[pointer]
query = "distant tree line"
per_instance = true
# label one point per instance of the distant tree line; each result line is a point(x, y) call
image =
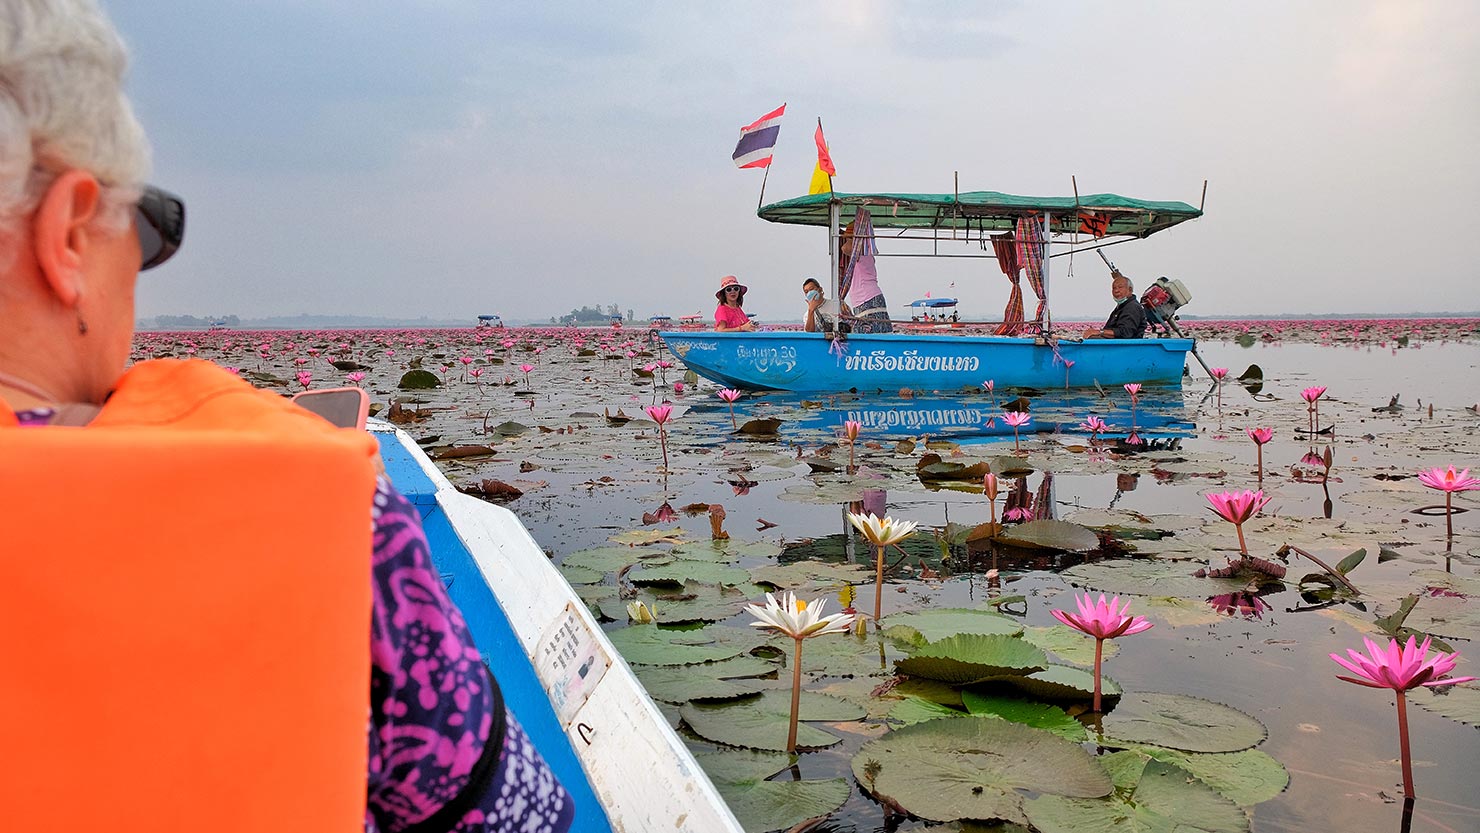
point(591, 315)
point(191, 322)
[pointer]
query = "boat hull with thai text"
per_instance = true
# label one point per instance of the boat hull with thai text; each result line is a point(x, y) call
point(795, 361)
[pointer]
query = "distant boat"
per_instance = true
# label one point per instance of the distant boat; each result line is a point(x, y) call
point(485, 321)
point(1027, 353)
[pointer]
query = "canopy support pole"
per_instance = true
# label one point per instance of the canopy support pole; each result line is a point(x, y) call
point(833, 215)
point(1046, 326)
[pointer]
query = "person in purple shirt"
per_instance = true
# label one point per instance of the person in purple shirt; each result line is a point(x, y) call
point(77, 224)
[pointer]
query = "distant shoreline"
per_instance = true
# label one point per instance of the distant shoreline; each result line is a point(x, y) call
point(331, 322)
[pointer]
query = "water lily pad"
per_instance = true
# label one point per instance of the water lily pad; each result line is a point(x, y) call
point(642, 537)
point(1062, 682)
point(971, 768)
point(652, 645)
point(419, 380)
point(580, 575)
point(1246, 778)
point(1068, 644)
point(723, 680)
point(763, 805)
point(1461, 702)
point(844, 655)
point(612, 559)
point(1161, 799)
point(1139, 577)
point(1050, 535)
point(694, 602)
point(1038, 715)
point(683, 570)
point(969, 658)
point(933, 690)
point(932, 625)
point(1177, 721)
point(728, 550)
point(827, 493)
point(912, 710)
point(810, 573)
point(760, 722)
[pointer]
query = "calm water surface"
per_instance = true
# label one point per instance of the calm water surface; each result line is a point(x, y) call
point(1339, 741)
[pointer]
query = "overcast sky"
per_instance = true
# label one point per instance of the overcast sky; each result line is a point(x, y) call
point(453, 157)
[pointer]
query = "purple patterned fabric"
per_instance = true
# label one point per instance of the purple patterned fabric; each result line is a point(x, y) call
point(429, 699)
point(429, 702)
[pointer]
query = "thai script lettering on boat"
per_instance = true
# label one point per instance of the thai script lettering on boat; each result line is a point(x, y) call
point(767, 358)
point(910, 361)
point(931, 417)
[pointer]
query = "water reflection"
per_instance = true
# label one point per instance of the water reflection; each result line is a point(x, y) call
point(969, 417)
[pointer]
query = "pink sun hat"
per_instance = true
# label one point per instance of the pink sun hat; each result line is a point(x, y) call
point(725, 283)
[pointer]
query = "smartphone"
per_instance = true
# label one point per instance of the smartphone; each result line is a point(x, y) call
point(344, 407)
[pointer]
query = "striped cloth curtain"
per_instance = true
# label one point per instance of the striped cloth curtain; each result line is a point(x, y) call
point(1006, 251)
point(864, 245)
point(1030, 254)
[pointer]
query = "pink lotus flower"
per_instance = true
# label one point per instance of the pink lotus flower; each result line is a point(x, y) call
point(989, 385)
point(1134, 389)
point(1311, 394)
point(526, 368)
point(1312, 397)
point(1094, 425)
point(729, 395)
point(1102, 621)
point(851, 428)
point(356, 377)
point(660, 415)
point(466, 360)
point(1016, 419)
point(1219, 373)
point(305, 378)
point(1448, 482)
point(1260, 436)
point(678, 388)
point(1236, 508)
point(1401, 668)
point(989, 488)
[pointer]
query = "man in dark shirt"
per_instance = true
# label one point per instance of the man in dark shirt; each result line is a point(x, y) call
point(1128, 319)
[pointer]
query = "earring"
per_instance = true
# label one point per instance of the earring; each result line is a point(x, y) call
point(81, 325)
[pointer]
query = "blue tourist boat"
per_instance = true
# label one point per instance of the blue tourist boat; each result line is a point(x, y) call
point(583, 708)
point(1017, 231)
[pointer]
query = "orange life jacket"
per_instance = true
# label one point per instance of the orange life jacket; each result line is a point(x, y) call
point(185, 633)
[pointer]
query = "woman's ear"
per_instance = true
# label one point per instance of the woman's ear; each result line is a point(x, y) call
point(60, 232)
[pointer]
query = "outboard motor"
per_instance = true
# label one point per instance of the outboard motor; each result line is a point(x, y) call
point(1162, 300)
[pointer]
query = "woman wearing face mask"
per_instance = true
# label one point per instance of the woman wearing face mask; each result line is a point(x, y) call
point(822, 314)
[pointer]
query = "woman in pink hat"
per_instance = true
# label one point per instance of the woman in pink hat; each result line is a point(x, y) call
point(728, 316)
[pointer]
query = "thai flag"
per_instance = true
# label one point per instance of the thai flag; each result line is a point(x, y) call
point(757, 140)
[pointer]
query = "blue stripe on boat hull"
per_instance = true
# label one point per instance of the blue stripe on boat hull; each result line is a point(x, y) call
point(522, 690)
point(794, 361)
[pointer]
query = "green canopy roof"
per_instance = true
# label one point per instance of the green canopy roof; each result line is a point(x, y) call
point(983, 211)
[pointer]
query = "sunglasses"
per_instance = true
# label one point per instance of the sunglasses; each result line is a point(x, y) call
point(159, 219)
point(732, 289)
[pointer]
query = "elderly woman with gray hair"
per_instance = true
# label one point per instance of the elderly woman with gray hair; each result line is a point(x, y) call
point(152, 655)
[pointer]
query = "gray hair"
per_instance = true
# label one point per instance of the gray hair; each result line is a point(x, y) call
point(1129, 284)
point(62, 106)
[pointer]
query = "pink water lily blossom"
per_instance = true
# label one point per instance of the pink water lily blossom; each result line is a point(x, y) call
point(1312, 396)
point(1260, 436)
point(1448, 482)
point(1401, 668)
point(1095, 426)
point(1016, 419)
point(851, 428)
point(729, 395)
point(1102, 620)
point(1134, 389)
point(1238, 507)
point(661, 414)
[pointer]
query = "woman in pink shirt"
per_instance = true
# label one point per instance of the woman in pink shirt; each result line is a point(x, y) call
point(728, 316)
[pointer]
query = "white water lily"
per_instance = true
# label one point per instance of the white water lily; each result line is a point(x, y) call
point(882, 532)
point(798, 618)
point(642, 613)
